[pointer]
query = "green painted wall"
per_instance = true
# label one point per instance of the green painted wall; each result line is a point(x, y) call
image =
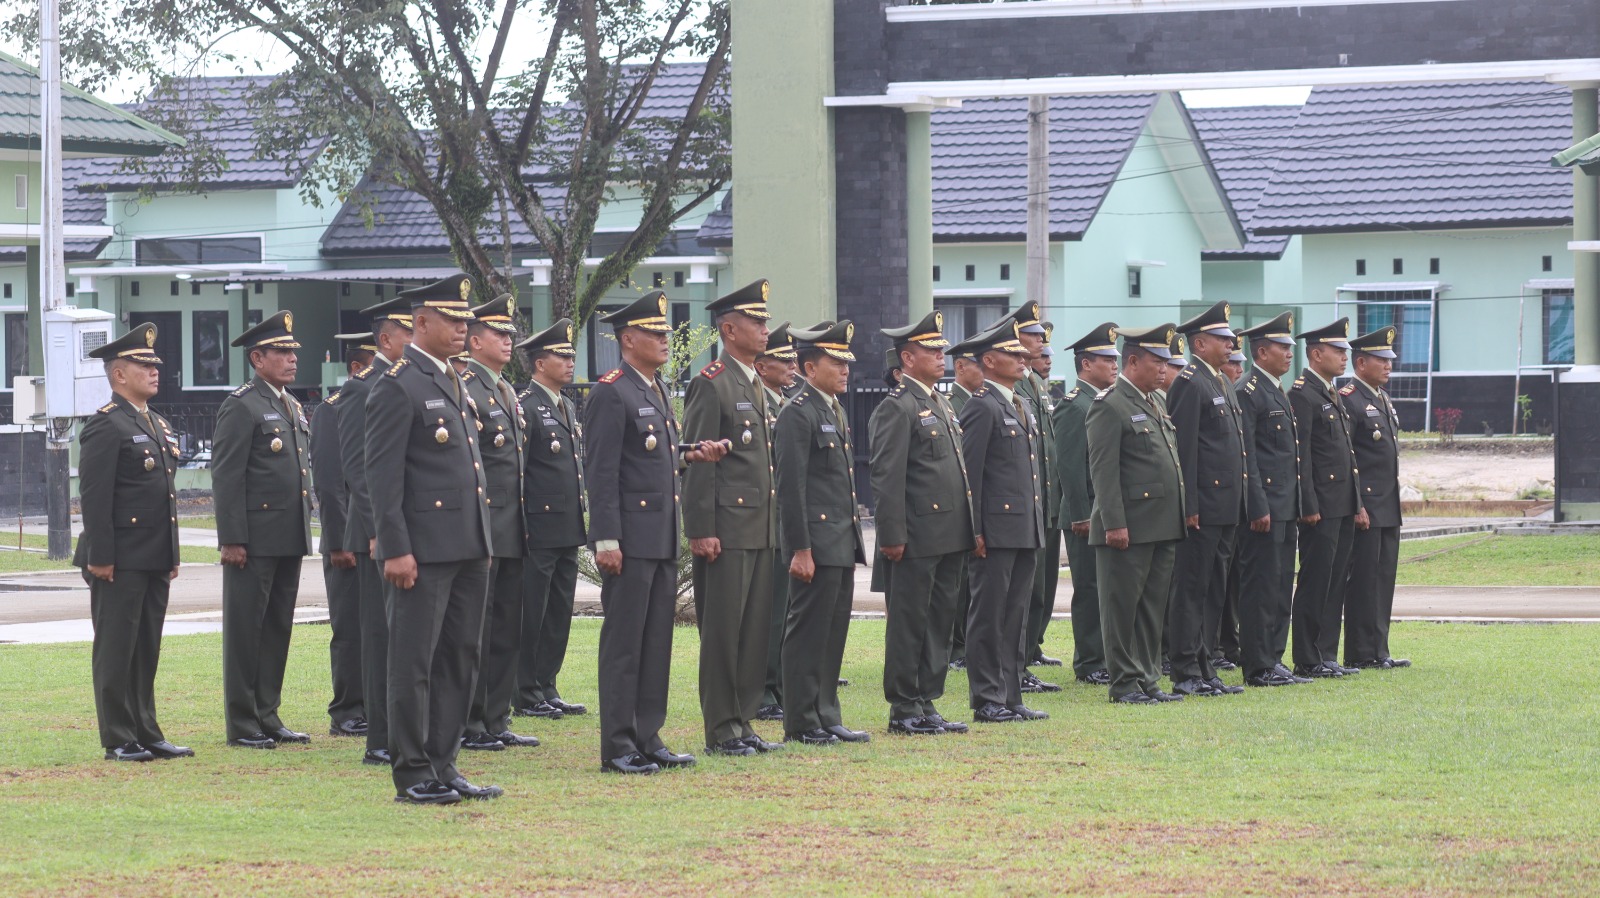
point(9, 213)
point(782, 149)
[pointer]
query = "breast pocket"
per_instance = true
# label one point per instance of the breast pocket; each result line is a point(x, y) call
point(828, 448)
point(651, 426)
point(1140, 491)
point(935, 439)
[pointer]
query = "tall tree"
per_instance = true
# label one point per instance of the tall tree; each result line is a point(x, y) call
point(446, 99)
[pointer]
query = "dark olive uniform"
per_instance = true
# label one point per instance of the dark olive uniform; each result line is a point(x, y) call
point(817, 510)
point(779, 346)
point(957, 398)
point(1375, 551)
point(1330, 486)
point(261, 487)
point(1035, 392)
point(343, 584)
point(126, 461)
point(1071, 418)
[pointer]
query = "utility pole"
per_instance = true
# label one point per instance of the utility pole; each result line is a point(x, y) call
point(53, 275)
point(1039, 200)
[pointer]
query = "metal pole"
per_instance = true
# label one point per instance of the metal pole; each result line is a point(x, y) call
point(1586, 227)
point(1516, 384)
point(53, 276)
point(1038, 248)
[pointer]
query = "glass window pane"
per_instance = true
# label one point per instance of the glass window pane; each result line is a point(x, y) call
point(16, 346)
point(1558, 328)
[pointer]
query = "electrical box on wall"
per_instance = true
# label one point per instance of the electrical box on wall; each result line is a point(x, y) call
point(27, 399)
point(75, 384)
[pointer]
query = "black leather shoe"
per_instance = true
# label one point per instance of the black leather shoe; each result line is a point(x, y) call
point(1133, 698)
point(769, 712)
point(1371, 664)
point(949, 726)
point(1100, 677)
point(254, 740)
point(992, 712)
point(1221, 662)
point(165, 750)
point(355, 726)
point(817, 736)
point(843, 682)
point(512, 740)
point(762, 745)
point(482, 742)
point(570, 709)
point(1166, 668)
point(1347, 671)
point(284, 734)
point(1398, 662)
point(1031, 683)
point(1042, 660)
point(1194, 686)
point(378, 757)
point(664, 757)
point(845, 734)
point(468, 790)
point(543, 709)
point(1293, 677)
point(1223, 688)
point(1317, 672)
point(1024, 712)
point(428, 792)
point(1267, 677)
point(1160, 696)
point(129, 751)
point(959, 663)
point(635, 763)
point(734, 748)
point(915, 726)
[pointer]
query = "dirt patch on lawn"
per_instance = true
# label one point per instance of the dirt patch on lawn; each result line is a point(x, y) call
point(1484, 476)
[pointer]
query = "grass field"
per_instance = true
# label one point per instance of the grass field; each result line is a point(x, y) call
point(1478, 559)
point(1469, 774)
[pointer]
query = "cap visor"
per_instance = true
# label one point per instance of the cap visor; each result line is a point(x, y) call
point(1380, 353)
point(841, 355)
point(1031, 329)
point(940, 343)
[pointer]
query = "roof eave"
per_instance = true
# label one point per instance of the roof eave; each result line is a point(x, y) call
point(1388, 226)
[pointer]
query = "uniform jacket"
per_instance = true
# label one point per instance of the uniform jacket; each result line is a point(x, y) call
point(1273, 485)
point(732, 499)
point(1072, 454)
point(501, 436)
point(261, 472)
point(1329, 482)
point(1133, 460)
point(1373, 425)
point(1211, 450)
point(817, 483)
point(553, 472)
point(1003, 448)
point(958, 397)
point(327, 475)
point(428, 487)
point(126, 489)
point(1035, 393)
point(919, 475)
point(632, 478)
point(359, 525)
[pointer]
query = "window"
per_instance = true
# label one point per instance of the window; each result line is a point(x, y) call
point(965, 317)
point(1546, 263)
point(1361, 267)
point(972, 272)
point(197, 250)
point(677, 279)
point(22, 191)
point(936, 273)
point(1558, 329)
point(604, 353)
point(1399, 266)
point(1411, 312)
point(194, 288)
point(1433, 266)
point(1135, 283)
point(258, 288)
point(16, 346)
point(133, 288)
point(1005, 272)
point(173, 287)
point(210, 348)
point(657, 279)
point(72, 289)
point(8, 291)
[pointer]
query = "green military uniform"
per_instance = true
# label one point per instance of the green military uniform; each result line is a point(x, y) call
point(126, 463)
point(1070, 422)
point(817, 510)
point(779, 346)
point(555, 505)
point(502, 434)
point(924, 503)
point(957, 398)
point(1035, 393)
point(732, 501)
point(361, 529)
point(261, 487)
point(1133, 463)
point(346, 710)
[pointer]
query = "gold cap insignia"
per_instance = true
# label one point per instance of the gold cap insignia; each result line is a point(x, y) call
point(1388, 336)
point(1291, 321)
point(1347, 327)
point(1172, 332)
point(150, 337)
point(662, 301)
point(465, 288)
point(1227, 311)
point(569, 333)
point(1111, 334)
point(938, 320)
point(766, 290)
point(288, 322)
point(849, 331)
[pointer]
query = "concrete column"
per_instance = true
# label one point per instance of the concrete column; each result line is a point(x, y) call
point(919, 213)
point(1585, 226)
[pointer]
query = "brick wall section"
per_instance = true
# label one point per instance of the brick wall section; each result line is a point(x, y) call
point(870, 203)
point(860, 49)
point(1461, 31)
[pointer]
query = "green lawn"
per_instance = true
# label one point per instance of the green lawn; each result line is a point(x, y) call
point(1469, 774)
point(1473, 560)
point(14, 562)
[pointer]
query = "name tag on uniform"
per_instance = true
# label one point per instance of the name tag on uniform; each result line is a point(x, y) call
point(743, 407)
point(141, 438)
point(1011, 422)
point(272, 416)
point(927, 422)
point(433, 403)
point(497, 413)
point(1139, 417)
point(1272, 413)
point(1372, 412)
point(548, 422)
point(829, 428)
point(647, 411)
point(1219, 400)
point(1326, 406)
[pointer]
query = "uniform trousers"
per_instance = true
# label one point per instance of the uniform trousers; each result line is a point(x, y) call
point(1134, 587)
point(1266, 594)
point(816, 626)
point(1088, 646)
point(635, 655)
point(1042, 604)
point(920, 598)
point(549, 578)
point(502, 637)
point(127, 613)
point(344, 648)
point(1196, 612)
point(779, 622)
point(733, 604)
point(1369, 593)
point(374, 649)
point(1319, 589)
point(1002, 586)
point(257, 618)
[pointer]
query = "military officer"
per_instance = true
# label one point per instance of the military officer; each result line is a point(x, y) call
point(969, 377)
point(730, 517)
point(127, 455)
point(1138, 516)
point(1375, 547)
point(1000, 440)
point(1095, 362)
point(1233, 368)
point(1265, 557)
point(1225, 644)
point(631, 461)
point(1212, 457)
point(1171, 369)
point(553, 485)
point(261, 486)
point(776, 366)
point(891, 368)
point(491, 335)
point(820, 536)
point(1330, 496)
point(431, 510)
point(391, 328)
point(347, 711)
point(924, 521)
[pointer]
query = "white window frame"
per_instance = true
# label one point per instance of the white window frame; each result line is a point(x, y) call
point(258, 235)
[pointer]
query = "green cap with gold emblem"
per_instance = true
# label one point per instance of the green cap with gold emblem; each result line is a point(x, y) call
point(1028, 319)
point(1002, 337)
point(1379, 343)
point(1176, 351)
point(496, 315)
point(1212, 321)
point(555, 339)
point(137, 345)
point(276, 332)
point(1100, 341)
point(357, 342)
point(648, 312)
point(1336, 335)
point(1157, 340)
point(1278, 330)
point(750, 299)
point(779, 344)
point(451, 297)
point(832, 338)
point(397, 310)
point(929, 332)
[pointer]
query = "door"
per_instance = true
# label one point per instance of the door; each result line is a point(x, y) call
point(169, 346)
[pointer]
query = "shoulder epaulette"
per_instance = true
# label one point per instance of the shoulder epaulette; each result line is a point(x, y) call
point(1102, 394)
point(1250, 385)
point(1298, 383)
point(799, 400)
point(1072, 394)
point(1347, 390)
point(712, 370)
point(363, 374)
point(981, 391)
point(332, 397)
point(899, 390)
point(397, 367)
point(610, 377)
point(241, 390)
point(468, 375)
point(108, 407)
point(1186, 373)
